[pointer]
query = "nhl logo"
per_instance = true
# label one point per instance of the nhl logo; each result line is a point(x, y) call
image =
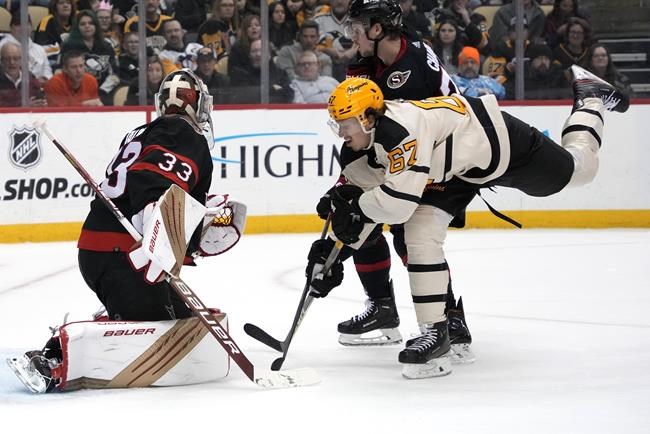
point(25, 148)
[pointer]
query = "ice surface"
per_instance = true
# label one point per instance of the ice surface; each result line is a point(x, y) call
point(560, 320)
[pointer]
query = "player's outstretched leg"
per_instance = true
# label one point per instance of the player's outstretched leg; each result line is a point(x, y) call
point(427, 355)
point(587, 85)
point(377, 325)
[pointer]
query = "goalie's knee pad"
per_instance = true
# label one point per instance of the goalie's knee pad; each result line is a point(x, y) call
point(111, 354)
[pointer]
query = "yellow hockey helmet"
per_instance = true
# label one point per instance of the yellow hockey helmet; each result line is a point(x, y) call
point(353, 97)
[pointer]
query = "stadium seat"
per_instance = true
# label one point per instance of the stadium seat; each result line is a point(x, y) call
point(37, 13)
point(119, 97)
point(5, 19)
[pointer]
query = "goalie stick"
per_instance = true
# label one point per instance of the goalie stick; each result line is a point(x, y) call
point(305, 302)
point(267, 379)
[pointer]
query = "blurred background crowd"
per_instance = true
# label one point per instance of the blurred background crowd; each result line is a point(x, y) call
point(87, 52)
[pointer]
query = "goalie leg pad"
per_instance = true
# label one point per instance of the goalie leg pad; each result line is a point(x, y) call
point(99, 355)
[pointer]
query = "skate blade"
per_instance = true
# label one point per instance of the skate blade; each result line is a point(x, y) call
point(438, 367)
point(371, 339)
point(33, 381)
point(461, 354)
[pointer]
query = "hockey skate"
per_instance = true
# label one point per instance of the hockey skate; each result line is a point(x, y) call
point(587, 85)
point(459, 335)
point(377, 325)
point(427, 355)
point(35, 371)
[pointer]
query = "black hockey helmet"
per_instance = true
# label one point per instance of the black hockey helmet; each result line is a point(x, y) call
point(386, 12)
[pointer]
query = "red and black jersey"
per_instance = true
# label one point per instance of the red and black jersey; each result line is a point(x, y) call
point(151, 158)
point(416, 73)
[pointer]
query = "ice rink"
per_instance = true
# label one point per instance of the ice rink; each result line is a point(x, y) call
point(560, 321)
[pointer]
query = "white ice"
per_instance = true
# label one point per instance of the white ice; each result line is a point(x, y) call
point(560, 321)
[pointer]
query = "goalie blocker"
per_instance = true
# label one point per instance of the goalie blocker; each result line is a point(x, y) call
point(104, 354)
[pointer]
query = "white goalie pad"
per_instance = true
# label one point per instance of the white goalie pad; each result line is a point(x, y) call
point(121, 354)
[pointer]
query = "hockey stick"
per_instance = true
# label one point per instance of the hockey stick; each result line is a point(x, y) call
point(269, 379)
point(306, 300)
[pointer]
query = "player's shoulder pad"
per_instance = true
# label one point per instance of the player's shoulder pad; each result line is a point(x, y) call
point(176, 131)
point(389, 133)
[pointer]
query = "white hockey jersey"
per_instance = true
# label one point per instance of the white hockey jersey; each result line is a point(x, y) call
point(431, 140)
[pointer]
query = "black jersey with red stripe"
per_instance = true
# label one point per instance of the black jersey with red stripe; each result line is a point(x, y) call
point(416, 74)
point(169, 150)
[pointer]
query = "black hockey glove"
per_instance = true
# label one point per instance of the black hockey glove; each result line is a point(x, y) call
point(322, 285)
point(348, 219)
point(324, 207)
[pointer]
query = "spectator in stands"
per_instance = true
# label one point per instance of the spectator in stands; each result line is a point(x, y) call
point(250, 31)
point(305, 10)
point(309, 86)
point(288, 55)
point(220, 31)
point(499, 63)
point(468, 80)
point(125, 8)
point(154, 25)
point(154, 77)
point(128, 60)
point(599, 61)
point(573, 49)
point(468, 32)
point(414, 21)
point(176, 54)
point(558, 19)
point(49, 30)
point(447, 45)
point(191, 14)
point(281, 33)
point(73, 86)
point(218, 84)
point(480, 21)
point(543, 78)
point(534, 16)
point(112, 31)
point(38, 63)
point(86, 37)
point(11, 79)
point(246, 80)
point(333, 41)
point(90, 5)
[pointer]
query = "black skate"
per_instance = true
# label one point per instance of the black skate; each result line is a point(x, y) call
point(587, 85)
point(34, 370)
point(380, 317)
point(427, 355)
point(459, 335)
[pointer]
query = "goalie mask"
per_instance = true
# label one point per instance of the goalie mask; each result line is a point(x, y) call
point(183, 92)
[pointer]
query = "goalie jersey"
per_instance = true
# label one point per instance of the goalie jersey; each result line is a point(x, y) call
point(428, 141)
point(150, 159)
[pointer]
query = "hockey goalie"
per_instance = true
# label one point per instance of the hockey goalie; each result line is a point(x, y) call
point(159, 180)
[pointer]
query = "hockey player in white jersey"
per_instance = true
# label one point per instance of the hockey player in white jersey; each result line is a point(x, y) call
point(456, 144)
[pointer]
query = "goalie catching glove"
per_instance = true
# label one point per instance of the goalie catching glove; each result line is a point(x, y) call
point(321, 285)
point(222, 230)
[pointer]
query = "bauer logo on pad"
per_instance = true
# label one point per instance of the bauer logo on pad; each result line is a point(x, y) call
point(25, 147)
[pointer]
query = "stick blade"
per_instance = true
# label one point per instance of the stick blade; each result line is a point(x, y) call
point(287, 378)
point(257, 333)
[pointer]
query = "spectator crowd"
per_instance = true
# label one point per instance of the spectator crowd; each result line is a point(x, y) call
point(83, 52)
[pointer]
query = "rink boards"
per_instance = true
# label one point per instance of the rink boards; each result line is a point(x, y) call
point(279, 160)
